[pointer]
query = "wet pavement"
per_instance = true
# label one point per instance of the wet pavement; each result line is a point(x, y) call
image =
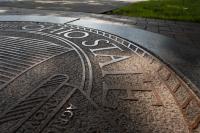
point(63, 77)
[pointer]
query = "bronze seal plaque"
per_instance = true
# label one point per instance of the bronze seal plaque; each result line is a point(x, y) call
point(71, 79)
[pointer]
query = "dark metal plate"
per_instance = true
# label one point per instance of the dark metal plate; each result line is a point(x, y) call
point(66, 78)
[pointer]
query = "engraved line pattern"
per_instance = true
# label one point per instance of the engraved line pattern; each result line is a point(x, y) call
point(48, 110)
point(19, 54)
point(186, 99)
point(132, 46)
point(7, 26)
point(152, 89)
point(35, 99)
point(185, 105)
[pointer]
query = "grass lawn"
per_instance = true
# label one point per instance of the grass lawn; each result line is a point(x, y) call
point(185, 10)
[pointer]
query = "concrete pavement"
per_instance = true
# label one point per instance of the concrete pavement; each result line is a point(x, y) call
point(89, 6)
point(184, 32)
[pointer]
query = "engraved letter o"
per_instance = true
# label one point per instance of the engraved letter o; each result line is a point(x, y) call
point(33, 27)
point(68, 34)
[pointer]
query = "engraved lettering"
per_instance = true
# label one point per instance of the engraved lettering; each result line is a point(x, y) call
point(61, 32)
point(36, 27)
point(70, 35)
point(96, 42)
point(114, 59)
point(104, 73)
point(33, 27)
point(64, 118)
point(56, 30)
point(106, 48)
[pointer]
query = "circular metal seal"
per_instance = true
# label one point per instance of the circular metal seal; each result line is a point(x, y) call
point(71, 79)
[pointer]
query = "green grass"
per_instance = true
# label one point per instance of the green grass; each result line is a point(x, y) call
point(184, 10)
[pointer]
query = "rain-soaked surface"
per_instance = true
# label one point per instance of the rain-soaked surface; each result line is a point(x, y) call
point(65, 78)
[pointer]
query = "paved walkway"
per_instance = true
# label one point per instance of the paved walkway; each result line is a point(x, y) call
point(184, 32)
point(181, 31)
point(96, 6)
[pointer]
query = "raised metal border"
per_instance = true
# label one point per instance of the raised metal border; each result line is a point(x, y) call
point(37, 18)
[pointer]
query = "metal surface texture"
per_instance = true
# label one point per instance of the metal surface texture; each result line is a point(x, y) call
point(183, 58)
point(58, 78)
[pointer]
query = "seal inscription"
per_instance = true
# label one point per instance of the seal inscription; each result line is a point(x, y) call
point(66, 78)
